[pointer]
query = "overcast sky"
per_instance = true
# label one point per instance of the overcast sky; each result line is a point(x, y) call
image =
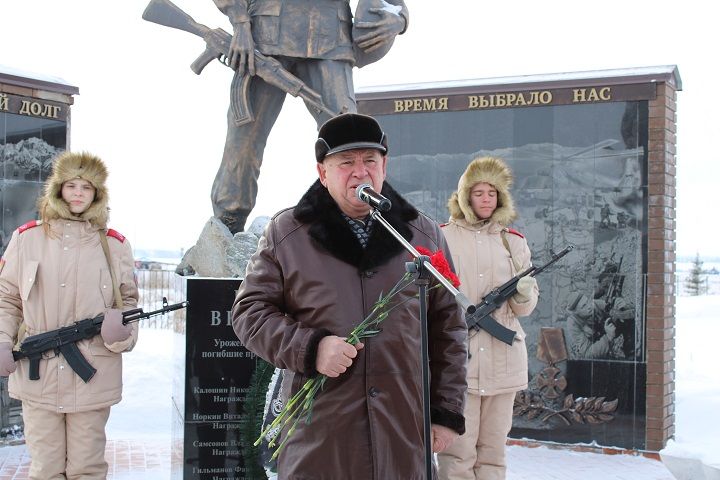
point(161, 128)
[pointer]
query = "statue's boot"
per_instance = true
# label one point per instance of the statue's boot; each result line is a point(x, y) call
point(234, 221)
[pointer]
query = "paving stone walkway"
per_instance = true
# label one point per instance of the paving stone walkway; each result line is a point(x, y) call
point(126, 459)
point(131, 460)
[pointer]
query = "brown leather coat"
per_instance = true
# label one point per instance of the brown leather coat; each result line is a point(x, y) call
point(50, 281)
point(310, 278)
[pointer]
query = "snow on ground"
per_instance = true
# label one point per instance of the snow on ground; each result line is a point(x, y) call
point(146, 410)
point(697, 380)
point(146, 407)
point(543, 463)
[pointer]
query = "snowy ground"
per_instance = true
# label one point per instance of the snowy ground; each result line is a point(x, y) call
point(697, 381)
point(146, 410)
point(146, 407)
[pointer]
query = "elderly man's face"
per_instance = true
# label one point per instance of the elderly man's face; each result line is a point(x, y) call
point(341, 173)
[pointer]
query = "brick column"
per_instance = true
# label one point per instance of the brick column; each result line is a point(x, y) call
point(660, 306)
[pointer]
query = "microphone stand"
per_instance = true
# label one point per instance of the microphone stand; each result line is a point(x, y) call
point(423, 268)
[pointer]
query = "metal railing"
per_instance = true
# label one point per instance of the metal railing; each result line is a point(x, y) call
point(154, 284)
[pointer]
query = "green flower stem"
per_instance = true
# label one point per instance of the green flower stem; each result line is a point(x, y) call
point(295, 399)
point(287, 437)
point(290, 415)
point(305, 409)
point(288, 410)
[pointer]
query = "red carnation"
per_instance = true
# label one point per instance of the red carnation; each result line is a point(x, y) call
point(438, 260)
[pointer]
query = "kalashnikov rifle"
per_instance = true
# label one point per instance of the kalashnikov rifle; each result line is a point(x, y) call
point(63, 340)
point(492, 301)
point(166, 13)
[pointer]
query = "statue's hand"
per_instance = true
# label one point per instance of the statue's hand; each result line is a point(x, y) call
point(381, 32)
point(242, 49)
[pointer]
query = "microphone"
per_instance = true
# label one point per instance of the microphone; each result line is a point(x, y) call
point(365, 193)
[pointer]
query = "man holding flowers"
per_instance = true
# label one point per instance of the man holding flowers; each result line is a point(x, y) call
point(320, 268)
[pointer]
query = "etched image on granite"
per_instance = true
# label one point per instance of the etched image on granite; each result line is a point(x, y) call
point(27, 148)
point(580, 178)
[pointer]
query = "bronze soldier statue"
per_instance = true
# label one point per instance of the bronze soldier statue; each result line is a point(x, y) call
point(318, 43)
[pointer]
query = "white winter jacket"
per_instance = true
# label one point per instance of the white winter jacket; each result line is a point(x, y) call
point(51, 281)
point(483, 262)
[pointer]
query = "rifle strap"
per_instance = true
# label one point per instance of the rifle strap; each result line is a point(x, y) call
point(503, 234)
point(116, 288)
point(22, 329)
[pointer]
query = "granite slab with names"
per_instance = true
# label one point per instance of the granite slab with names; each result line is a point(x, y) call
point(213, 373)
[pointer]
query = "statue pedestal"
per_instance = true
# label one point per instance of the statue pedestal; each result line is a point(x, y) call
point(212, 375)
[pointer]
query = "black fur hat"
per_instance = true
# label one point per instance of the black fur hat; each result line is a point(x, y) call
point(349, 131)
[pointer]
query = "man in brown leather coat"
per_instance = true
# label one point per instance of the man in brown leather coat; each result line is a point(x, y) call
point(318, 270)
point(318, 43)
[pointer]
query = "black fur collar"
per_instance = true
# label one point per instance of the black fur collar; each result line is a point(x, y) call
point(331, 231)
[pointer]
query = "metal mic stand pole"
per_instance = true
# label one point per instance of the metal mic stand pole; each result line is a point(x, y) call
point(422, 266)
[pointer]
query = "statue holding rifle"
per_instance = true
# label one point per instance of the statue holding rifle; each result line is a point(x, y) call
point(304, 48)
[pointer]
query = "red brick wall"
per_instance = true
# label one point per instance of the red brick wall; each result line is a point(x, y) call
point(660, 313)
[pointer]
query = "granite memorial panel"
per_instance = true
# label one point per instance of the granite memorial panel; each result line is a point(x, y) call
point(213, 376)
point(27, 147)
point(580, 178)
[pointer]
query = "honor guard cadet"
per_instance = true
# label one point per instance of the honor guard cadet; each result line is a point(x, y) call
point(487, 254)
point(56, 271)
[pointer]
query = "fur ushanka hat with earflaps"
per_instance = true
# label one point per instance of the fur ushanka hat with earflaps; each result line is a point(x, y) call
point(68, 166)
point(484, 170)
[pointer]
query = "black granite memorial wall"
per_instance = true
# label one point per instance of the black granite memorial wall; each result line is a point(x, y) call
point(580, 178)
point(212, 378)
point(27, 147)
